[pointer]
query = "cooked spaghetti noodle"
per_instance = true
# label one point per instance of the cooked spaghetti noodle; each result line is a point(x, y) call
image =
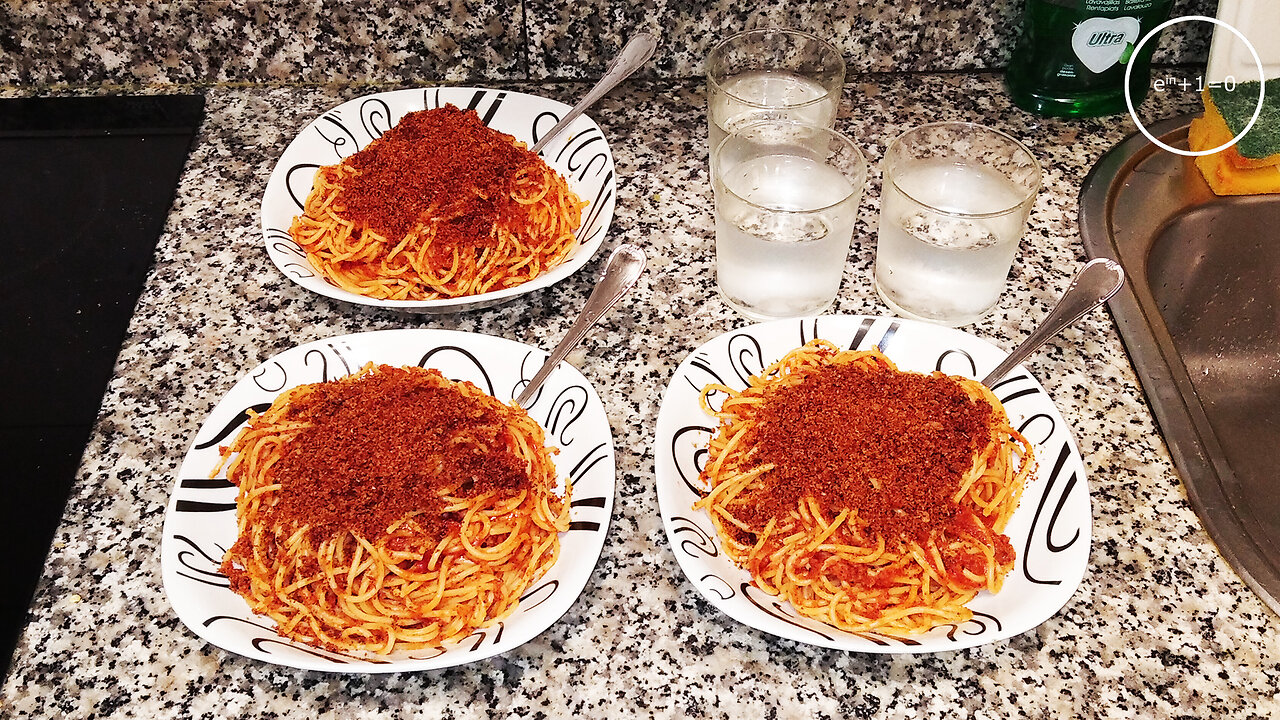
point(439, 206)
point(869, 498)
point(392, 509)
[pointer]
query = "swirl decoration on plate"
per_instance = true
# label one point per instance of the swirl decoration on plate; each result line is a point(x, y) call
point(1047, 541)
point(745, 356)
point(322, 360)
point(706, 375)
point(703, 541)
point(566, 407)
point(268, 639)
point(298, 181)
point(338, 138)
point(1034, 422)
point(271, 377)
point(1050, 530)
point(978, 621)
point(201, 523)
point(597, 503)
point(565, 411)
point(484, 102)
point(1018, 386)
point(1030, 388)
point(203, 563)
point(594, 456)
point(234, 424)
point(690, 466)
point(771, 606)
point(375, 117)
point(957, 362)
point(539, 594)
point(582, 157)
point(282, 243)
point(430, 358)
point(542, 123)
point(808, 334)
point(529, 366)
point(720, 587)
point(493, 633)
point(587, 158)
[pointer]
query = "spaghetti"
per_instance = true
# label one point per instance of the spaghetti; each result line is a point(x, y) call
point(869, 498)
point(439, 206)
point(392, 509)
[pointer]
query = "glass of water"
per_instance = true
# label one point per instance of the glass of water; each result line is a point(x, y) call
point(786, 199)
point(953, 204)
point(772, 74)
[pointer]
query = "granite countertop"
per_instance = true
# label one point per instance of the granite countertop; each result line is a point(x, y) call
point(1161, 627)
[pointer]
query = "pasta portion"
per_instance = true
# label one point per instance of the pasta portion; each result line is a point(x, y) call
point(440, 206)
point(869, 498)
point(392, 509)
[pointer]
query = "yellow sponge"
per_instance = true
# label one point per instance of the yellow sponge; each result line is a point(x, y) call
point(1228, 172)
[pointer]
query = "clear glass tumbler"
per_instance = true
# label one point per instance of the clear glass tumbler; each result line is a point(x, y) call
point(786, 199)
point(772, 74)
point(953, 204)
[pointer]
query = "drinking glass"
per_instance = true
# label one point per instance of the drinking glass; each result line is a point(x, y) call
point(772, 74)
point(953, 205)
point(786, 198)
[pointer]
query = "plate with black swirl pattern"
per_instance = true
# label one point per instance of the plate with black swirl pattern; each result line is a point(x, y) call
point(1050, 530)
point(200, 522)
point(580, 154)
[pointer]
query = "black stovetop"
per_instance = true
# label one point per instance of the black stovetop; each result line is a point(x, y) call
point(88, 183)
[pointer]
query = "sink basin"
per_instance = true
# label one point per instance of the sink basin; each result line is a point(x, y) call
point(1200, 320)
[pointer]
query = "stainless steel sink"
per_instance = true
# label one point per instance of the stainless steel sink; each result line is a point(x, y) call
point(1200, 320)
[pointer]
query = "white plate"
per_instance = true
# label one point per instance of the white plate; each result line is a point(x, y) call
point(580, 154)
point(1050, 529)
point(200, 523)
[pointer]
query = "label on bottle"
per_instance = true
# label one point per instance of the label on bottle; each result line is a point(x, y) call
point(1103, 42)
point(1105, 6)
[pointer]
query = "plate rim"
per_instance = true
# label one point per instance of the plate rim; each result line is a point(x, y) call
point(582, 254)
point(841, 640)
point(590, 549)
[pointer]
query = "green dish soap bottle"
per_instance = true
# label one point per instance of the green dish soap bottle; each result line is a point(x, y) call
point(1071, 57)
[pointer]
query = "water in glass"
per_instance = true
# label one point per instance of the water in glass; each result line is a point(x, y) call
point(783, 264)
point(937, 254)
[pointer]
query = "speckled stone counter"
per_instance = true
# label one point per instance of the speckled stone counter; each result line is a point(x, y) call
point(1161, 627)
point(147, 43)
